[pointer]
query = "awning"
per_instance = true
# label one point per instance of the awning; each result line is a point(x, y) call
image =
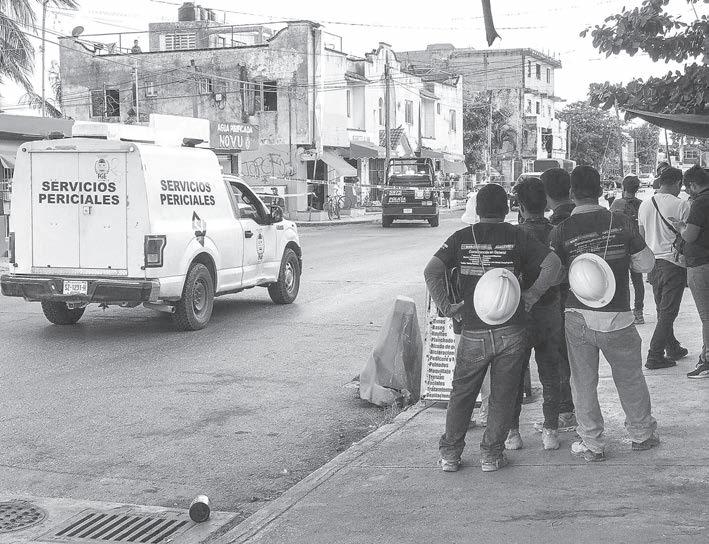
point(7, 160)
point(454, 167)
point(342, 167)
point(366, 150)
point(427, 94)
point(691, 124)
point(427, 153)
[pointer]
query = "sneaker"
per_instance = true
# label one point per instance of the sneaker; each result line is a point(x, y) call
point(651, 442)
point(491, 465)
point(550, 439)
point(702, 371)
point(579, 448)
point(639, 319)
point(653, 363)
point(567, 423)
point(514, 440)
point(676, 352)
point(449, 466)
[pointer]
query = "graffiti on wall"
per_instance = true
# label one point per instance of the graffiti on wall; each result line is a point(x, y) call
point(271, 161)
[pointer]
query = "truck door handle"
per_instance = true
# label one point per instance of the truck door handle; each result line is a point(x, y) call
point(248, 233)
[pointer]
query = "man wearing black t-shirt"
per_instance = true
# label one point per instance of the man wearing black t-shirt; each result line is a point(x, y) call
point(696, 233)
point(610, 329)
point(557, 185)
point(473, 250)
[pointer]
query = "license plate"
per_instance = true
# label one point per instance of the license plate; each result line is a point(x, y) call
point(408, 210)
point(75, 287)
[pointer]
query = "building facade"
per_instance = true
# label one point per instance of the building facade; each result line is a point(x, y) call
point(315, 113)
point(517, 81)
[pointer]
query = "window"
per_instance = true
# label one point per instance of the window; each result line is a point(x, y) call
point(150, 89)
point(349, 103)
point(548, 111)
point(174, 42)
point(539, 108)
point(539, 71)
point(409, 112)
point(438, 108)
point(529, 106)
point(206, 85)
point(453, 126)
point(270, 96)
point(548, 75)
point(529, 68)
point(221, 41)
point(691, 155)
point(247, 204)
point(381, 111)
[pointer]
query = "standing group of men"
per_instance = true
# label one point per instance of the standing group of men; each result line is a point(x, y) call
point(605, 247)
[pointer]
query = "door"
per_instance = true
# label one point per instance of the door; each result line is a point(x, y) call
point(55, 219)
point(257, 245)
point(102, 212)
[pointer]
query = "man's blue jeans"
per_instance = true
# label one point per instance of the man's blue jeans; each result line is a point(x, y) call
point(502, 351)
point(622, 351)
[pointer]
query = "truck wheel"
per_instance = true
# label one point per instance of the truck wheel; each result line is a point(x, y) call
point(286, 288)
point(433, 221)
point(194, 309)
point(60, 314)
point(386, 222)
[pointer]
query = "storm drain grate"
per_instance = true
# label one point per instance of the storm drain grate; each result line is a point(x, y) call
point(97, 526)
point(16, 515)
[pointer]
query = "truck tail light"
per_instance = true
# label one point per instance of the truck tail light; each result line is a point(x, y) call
point(154, 250)
point(11, 247)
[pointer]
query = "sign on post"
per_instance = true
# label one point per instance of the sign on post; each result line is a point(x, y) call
point(438, 356)
point(233, 136)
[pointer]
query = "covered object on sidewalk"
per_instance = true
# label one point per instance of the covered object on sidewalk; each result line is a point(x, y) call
point(691, 124)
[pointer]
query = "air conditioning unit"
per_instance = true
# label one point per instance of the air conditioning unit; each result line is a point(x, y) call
point(219, 97)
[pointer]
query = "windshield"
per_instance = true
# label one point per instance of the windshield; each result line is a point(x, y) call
point(413, 180)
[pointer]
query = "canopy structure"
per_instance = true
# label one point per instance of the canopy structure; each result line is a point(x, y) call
point(691, 124)
point(366, 150)
point(338, 164)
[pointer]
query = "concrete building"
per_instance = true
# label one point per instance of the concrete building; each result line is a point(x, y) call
point(312, 111)
point(520, 81)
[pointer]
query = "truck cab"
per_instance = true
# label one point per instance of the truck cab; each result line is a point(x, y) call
point(115, 222)
point(411, 191)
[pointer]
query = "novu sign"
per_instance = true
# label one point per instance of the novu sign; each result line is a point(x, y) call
point(233, 136)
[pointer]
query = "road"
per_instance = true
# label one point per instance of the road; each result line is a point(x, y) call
point(122, 408)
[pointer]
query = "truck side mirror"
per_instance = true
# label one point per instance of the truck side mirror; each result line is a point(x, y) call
point(276, 214)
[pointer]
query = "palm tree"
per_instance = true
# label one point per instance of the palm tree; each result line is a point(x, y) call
point(17, 18)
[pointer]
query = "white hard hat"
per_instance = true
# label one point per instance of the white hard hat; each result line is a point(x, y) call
point(591, 280)
point(469, 216)
point(496, 296)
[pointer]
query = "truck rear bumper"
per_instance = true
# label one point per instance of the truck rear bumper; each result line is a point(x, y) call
point(106, 290)
point(417, 212)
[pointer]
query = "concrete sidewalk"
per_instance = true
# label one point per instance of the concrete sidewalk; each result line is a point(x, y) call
point(388, 489)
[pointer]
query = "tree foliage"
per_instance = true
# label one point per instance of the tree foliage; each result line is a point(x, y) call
point(594, 134)
point(476, 114)
point(17, 19)
point(663, 36)
point(646, 138)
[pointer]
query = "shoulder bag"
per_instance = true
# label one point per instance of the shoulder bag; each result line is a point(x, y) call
point(678, 244)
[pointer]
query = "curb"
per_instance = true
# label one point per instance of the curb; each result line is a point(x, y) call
point(265, 516)
point(338, 223)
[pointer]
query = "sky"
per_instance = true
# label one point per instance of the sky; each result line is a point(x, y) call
point(551, 26)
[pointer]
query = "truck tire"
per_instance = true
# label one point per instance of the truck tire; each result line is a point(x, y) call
point(433, 221)
point(194, 309)
point(386, 222)
point(285, 290)
point(60, 314)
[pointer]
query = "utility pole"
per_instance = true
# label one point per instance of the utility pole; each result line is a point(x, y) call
point(667, 149)
point(620, 141)
point(44, 26)
point(488, 162)
point(137, 100)
point(387, 116)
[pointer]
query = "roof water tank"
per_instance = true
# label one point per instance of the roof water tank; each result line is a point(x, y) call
point(186, 12)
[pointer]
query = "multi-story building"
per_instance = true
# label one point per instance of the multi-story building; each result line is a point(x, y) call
point(519, 81)
point(310, 111)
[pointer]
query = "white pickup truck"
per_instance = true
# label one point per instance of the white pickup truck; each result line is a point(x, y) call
point(126, 223)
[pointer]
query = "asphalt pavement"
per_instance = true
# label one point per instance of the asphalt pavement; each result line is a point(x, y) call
point(122, 408)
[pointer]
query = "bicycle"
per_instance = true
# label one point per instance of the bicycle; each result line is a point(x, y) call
point(334, 205)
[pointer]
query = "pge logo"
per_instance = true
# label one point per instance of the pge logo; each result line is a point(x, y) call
point(102, 168)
